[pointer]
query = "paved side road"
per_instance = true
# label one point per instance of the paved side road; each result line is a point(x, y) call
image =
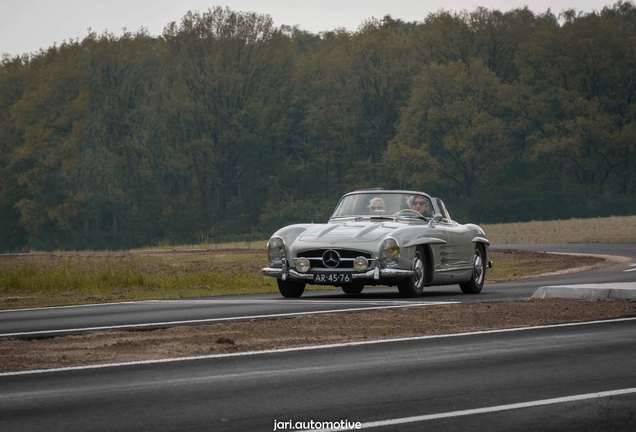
point(618, 282)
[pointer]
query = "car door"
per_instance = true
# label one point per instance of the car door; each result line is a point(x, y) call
point(460, 249)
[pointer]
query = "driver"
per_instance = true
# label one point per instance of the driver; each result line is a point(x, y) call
point(377, 206)
point(419, 204)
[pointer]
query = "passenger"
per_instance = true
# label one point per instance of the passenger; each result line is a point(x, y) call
point(377, 206)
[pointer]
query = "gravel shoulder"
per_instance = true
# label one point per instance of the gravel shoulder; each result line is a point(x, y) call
point(219, 338)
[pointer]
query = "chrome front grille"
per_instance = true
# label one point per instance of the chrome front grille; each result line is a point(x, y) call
point(341, 259)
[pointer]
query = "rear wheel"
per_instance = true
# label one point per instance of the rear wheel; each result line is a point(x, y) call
point(290, 289)
point(413, 286)
point(476, 282)
point(353, 288)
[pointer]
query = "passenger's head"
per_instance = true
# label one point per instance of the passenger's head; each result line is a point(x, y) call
point(377, 206)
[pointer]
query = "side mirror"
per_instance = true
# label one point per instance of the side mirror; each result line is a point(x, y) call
point(437, 218)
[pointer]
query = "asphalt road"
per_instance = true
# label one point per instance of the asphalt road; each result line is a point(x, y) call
point(563, 378)
point(164, 313)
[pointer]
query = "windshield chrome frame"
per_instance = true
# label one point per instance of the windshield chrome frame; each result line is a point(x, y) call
point(368, 195)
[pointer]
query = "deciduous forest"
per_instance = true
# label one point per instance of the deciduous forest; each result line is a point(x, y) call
point(226, 127)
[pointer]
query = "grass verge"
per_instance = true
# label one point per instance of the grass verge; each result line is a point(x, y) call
point(593, 230)
point(53, 279)
point(64, 278)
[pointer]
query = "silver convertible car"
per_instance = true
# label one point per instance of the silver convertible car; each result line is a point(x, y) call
point(380, 237)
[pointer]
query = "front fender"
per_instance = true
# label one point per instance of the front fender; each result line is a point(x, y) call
point(424, 240)
point(291, 232)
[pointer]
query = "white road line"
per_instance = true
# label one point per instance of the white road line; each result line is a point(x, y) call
point(493, 409)
point(310, 347)
point(212, 320)
point(223, 301)
point(307, 301)
point(73, 306)
point(630, 270)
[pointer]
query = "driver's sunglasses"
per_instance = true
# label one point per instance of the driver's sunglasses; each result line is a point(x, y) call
point(419, 203)
point(377, 207)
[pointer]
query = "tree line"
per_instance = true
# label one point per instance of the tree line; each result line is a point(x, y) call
point(226, 127)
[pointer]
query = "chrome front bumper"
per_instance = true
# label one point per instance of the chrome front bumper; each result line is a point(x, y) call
point(373, 274)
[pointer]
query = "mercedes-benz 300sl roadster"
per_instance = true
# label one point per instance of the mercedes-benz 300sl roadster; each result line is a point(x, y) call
point(380, 237)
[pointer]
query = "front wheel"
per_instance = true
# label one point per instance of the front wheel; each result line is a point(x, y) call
point(290, 289)
point(476, 282)
point(413, 286)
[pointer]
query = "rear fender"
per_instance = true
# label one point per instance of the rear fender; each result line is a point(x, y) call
point(481, 240)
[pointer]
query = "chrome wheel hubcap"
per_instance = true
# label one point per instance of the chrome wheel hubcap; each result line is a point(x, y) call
point(478, 272)
point(418, 268)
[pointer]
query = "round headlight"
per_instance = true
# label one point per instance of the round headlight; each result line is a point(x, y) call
point(302, 265)
point(276, 251)
point(360, 264)
point(390, 252)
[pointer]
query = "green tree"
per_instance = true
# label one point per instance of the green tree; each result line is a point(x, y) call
point(116, 158)
point(455, 117)
point(383, 65)
point(50, 117)
point(353, 90)
point(582, 80)
point(231, 74)
point(325, 95)
point(498, 36)
point(15, 79)
point(445, 37)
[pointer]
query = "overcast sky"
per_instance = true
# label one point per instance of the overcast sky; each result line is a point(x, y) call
point(28, 25)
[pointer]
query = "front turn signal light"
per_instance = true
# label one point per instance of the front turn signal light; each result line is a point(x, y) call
point(302, 265)
point(360, 264)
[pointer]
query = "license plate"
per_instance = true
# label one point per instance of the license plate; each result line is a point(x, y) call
point(333, 278)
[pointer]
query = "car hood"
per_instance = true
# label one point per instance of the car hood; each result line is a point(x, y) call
point(353, 231)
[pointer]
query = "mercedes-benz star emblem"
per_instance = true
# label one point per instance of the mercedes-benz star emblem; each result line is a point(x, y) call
point(331, 258)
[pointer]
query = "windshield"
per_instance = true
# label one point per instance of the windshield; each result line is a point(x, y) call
point(382, 203)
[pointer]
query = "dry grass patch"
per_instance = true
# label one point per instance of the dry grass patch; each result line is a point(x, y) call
point(62, 278)
point(594, 230)
point(511, 264)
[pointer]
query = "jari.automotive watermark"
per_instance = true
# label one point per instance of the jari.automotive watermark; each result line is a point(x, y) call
point(291, 425)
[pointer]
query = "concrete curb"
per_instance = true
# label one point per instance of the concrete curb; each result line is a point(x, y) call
point(589, 291)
